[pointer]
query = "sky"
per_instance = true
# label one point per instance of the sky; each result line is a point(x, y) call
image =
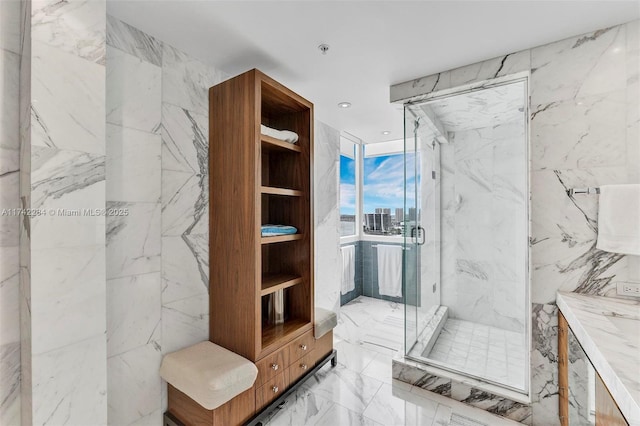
point(383, 183)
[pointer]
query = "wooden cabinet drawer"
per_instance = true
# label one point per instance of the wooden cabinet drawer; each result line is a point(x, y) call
point(272, 389)
point(301, 346)
point(298, 368)
point(272, 365)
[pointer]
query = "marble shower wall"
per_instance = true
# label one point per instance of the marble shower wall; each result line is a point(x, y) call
point(483, 191)
point(10, 56)
point(584, 105)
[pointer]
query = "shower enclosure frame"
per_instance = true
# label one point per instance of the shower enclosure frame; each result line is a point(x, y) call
point(521, 77)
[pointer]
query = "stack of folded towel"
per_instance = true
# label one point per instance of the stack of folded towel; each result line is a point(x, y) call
point(283, 135)
point(275, 230)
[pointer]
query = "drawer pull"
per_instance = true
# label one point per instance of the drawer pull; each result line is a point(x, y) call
point(303, 366)
point(303, 347)
point(275, 389)
point(275, 367)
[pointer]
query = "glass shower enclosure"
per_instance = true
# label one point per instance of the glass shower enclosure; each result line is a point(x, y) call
point(466, 231)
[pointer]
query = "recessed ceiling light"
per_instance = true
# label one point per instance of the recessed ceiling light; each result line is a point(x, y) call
point(344, 104)
point(385, 132)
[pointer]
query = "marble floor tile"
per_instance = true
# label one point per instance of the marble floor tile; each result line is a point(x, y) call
point(341, 396)
point(399, 407)
point(338, 415)
point(482, 351)
point(354, 357)
point(341, 385)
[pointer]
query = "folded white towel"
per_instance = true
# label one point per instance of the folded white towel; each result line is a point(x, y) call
point(283, 135)
point(619, 219)
point(348, 269)
point(390, 270)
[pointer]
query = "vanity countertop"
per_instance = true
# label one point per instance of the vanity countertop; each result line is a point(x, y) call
point(608, 330)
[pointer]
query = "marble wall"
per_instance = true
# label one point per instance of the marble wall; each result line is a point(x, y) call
point(157, 252)
point(484, 213)
point(326, 181)
point(584, 105)
point(62, 246)
point(10, 51)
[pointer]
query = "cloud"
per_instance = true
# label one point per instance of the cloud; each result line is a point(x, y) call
point(347, 197)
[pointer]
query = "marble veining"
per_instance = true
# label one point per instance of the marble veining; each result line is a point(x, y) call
point(77, 27)
point(137, 103)
point(70, 109)
point(608, 330)
point(133, 312)
point(133, 41)
point(133, 241)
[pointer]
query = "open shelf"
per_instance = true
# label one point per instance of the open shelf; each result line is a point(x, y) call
point(273, 144)
point(274, 282)
point(280, 238)
point(275, 334)
point(280, 191)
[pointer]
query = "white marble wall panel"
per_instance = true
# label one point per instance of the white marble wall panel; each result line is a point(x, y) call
point(135, 386)
point(185, 137)
point(185, 322)
point(580, 133)
point(74, 26)
point(185, 273)
point(327, 216)
point(9, 111)
point(133, 313)
point(10, 28)
point(69, 112)
point(577, 67)
point(133, 165)
point(133, 41)
point(136, 102)
point(186, 80)
point(71, 306)
point(70, 384)
point(9, 199)
point(133, 240)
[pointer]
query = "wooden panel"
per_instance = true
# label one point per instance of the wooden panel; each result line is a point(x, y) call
point(280, 239)
point(234, 412)
point(275, 282)
point(187, 410)
point(280, 191)
point(271, 389)
point(301, 366)
point(563, 369)
point(607, 412)
point(273, 144)
point(301, 346)
point(272, 365)
point(324, 346)
point(233, 130)
point(237, 411)
point(275, 336)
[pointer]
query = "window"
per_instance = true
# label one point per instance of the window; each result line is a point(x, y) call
point(383, 190)
point(348, 189)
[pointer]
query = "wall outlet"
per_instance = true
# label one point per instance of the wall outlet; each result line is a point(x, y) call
point(628, 289)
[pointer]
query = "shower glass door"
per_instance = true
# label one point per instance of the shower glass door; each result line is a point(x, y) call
point(421, 229)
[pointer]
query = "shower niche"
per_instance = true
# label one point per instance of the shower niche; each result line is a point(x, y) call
point(469, 171)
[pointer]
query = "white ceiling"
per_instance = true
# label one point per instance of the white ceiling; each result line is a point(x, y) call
point(374, 44)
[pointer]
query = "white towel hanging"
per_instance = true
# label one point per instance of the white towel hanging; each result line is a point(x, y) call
point(390, 270)
point(348, 269)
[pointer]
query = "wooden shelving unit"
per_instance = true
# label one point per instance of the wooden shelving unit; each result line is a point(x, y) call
point(255, 180)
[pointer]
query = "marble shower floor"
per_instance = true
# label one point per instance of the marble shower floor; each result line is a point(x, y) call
point(482, 351)
point(360, 391)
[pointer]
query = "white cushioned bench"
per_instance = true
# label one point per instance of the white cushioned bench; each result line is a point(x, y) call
point(324, 322)
point(209, 374)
